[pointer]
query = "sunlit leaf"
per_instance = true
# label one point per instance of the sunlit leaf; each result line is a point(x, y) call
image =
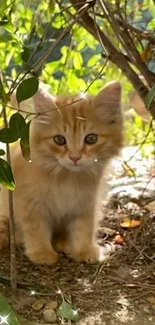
point(66, 311)
point(6, 178)
point(77, 60)
point(95, 59)
point(17, 124)
point(139, 122)
point(81, 45)
point(27, 89)
point(10, 28)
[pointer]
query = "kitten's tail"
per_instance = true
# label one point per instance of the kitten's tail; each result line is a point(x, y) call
point(4, 232)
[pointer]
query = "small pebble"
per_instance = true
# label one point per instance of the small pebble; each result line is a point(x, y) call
point(49, 315)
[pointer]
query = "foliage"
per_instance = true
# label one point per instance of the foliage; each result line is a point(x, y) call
point(7, 314)
point(43, 40)
point(67, 311)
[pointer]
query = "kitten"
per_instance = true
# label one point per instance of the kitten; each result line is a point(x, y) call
point(57, 201)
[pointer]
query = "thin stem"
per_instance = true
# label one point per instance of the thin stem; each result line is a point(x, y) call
point(11, 222)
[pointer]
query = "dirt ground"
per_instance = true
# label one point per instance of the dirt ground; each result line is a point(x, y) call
point(119, 291)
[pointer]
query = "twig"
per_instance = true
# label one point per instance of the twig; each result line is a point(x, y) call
point(116, 56)
point(142, 143)
point(126, 40)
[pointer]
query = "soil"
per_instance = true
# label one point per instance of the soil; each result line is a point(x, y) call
point(119, 291)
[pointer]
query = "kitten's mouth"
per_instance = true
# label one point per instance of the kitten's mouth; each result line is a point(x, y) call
point(75, 168)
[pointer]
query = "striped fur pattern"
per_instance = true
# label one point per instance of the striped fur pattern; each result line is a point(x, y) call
point(58, 197)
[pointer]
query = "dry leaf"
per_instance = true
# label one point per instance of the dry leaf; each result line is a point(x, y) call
point(147, 54)
point(38, 305)
point(119, 239)
point(130, 223)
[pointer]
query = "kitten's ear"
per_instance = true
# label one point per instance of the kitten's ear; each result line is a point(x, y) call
point(43, 102)
point(108, 103)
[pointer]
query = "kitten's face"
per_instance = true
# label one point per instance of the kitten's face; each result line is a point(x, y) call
point(76, 137)
point(75, 144)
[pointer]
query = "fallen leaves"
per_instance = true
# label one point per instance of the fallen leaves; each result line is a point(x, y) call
point(51, 310)
point(147, 54)
point(128, 223)
point(38, 305)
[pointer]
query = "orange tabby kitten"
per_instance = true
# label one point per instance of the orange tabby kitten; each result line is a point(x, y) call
point(57, 202)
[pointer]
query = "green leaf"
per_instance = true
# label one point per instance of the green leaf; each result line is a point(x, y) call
point(17, 124)
point(25, 142)
point(139, 122)
point(150, 96)
point(94, 59)
point(10, 28)
point(27, 89)
point(81, 45)
point(51, 5)
point(3, 94)
point(66, 311)
point(7, 180)
point(25, 54)
point(8, 313)
point(8, 135)
point(2, 152)
point(77, 60)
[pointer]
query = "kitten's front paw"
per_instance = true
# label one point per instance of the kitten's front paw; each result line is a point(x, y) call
point(94, 254)
point(62, 246)
point(43, 257)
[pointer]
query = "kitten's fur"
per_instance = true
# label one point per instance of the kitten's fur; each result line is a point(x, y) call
point(56, 201)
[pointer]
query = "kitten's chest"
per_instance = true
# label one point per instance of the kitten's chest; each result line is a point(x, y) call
point(67, 198)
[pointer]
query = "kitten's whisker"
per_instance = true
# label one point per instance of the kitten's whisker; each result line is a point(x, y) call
point(54, 168)
point(41, 121)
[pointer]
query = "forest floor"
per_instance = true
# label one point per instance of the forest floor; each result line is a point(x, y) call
point(119, 291)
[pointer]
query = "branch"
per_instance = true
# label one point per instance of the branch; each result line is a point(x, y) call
point(115, 56)
point(127, 42)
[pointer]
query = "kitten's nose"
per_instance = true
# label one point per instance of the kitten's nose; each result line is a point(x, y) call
point(75, 159)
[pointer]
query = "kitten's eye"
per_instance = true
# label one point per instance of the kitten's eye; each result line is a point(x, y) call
point(60, 140)
point(91, 138)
